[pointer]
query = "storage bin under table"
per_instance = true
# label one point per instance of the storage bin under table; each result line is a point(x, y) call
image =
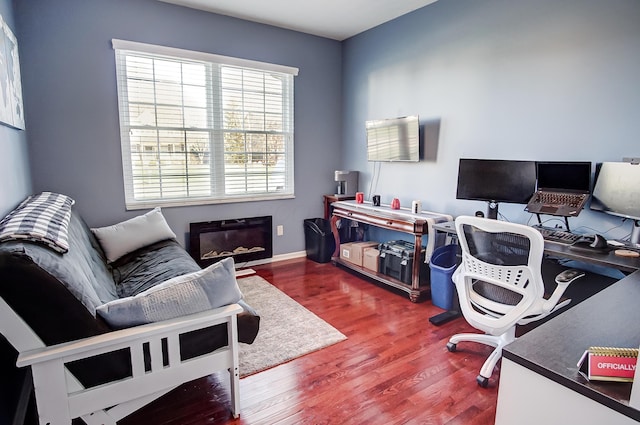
point(396, 260)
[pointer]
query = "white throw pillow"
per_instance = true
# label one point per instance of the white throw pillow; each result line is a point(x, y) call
point(132, 234)
point(191, 293)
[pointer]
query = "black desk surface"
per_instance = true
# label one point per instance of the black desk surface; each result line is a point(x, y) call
point(607, 259)
point(609, 318)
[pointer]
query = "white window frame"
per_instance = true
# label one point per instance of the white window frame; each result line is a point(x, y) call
point(219, 192)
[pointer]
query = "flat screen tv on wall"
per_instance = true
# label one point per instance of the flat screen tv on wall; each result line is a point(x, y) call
point(394, 139)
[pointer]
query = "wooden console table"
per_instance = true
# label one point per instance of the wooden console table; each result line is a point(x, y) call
point(399, 220)
point(330, 199)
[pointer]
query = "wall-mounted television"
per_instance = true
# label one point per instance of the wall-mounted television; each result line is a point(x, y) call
point(394, 139)
point(496, 180)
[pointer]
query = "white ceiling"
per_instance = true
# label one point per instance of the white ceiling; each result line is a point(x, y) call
point(336, 19)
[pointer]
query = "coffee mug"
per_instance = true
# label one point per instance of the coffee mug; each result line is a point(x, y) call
point(376, 200)
point(359, 197)
point(395, 204)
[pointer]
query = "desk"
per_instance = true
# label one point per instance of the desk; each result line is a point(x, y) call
point(555, 249)
point(607, 259)
point(401, 220)
point(539, 380)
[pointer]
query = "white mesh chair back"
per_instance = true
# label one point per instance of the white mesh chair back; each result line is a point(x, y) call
point(499, 281)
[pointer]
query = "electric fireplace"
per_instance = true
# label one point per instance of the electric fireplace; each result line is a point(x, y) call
point(244, 239)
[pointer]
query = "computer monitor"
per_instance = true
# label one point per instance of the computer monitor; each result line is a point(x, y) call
point(563, 189)
point(616, 191)
point(495, 181)
point(564, 176)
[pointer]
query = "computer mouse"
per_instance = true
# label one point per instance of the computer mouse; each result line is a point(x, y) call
point(599, 242)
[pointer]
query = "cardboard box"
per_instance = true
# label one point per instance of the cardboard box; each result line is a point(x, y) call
point(353, 252)
point(370, 259)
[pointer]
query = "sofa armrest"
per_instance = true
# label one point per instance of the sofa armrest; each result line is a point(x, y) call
point(60, 399)
point(99, 344)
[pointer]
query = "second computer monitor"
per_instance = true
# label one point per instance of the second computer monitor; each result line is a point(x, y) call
point(573, 176)
point(617, 192)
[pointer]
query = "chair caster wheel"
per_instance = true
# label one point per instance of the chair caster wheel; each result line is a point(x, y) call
point(482, 381)
point(451, 347)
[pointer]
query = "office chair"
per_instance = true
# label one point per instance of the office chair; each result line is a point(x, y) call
point(499, 283)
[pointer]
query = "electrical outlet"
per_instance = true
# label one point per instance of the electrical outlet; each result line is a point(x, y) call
point(280, 230)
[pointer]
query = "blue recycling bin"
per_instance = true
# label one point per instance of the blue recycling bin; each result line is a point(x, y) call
point(443, 263)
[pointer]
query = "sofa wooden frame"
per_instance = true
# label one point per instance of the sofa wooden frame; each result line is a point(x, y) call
point(60, 397)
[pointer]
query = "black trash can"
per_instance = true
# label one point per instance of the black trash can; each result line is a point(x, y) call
point(319, 241)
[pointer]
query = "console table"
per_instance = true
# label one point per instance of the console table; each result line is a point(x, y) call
point(399, 220)
point(330, 199)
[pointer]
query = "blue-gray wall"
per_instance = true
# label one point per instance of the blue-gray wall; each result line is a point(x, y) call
point(524, 79)
point(14, 161)
point(521, 79)
point(70, 89)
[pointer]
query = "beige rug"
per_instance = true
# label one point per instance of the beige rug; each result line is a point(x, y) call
point(287, 329)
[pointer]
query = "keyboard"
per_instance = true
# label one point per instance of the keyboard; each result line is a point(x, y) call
point(559, 236)
point(557, 203)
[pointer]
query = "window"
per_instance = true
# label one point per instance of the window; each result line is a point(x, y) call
point(198, 128)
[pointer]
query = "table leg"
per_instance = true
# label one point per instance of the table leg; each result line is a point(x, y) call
point(417, 262)
point(336, 235)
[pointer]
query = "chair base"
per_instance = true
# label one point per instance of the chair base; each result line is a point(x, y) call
point(497, 341)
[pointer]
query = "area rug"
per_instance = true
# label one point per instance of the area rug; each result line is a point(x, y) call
point(287, 329)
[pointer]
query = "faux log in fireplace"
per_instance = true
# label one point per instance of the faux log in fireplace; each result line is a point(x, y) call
point(244, 239)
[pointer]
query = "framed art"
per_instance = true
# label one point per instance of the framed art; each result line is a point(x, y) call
point(11, 110)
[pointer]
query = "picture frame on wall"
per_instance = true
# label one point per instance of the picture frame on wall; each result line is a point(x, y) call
point(11, 108)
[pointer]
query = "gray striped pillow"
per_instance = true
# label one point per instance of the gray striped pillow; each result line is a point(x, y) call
point(42, 218)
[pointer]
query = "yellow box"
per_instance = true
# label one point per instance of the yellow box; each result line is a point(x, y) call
point(370, 259)
point(353, 251)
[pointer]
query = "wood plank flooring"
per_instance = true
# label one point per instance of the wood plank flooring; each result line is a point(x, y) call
point(394, 367)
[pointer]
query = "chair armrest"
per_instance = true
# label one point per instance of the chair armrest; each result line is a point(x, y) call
point(550, 304)
point(112, 341)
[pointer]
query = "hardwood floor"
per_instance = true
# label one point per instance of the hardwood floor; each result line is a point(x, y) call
point(394, 367)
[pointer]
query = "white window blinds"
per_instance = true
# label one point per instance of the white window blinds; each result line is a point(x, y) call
point(198, 128)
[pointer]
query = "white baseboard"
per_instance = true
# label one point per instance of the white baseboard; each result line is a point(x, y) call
point(274, 259)
point(245, 272)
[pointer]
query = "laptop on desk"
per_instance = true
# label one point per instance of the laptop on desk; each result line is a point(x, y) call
point(563, 188)
point(557, 202)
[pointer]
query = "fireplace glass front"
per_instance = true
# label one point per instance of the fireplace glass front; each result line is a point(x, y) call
point(244, 239)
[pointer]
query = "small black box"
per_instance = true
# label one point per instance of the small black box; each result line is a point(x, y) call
point(396, 260)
